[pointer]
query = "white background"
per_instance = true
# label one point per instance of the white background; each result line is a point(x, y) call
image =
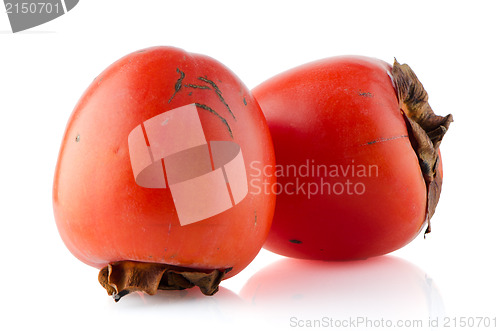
point(452, 46)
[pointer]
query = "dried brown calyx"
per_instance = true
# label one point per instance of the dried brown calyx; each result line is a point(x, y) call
point(425, 129)
point(124, 277)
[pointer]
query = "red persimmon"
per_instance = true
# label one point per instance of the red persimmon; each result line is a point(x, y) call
point(357, 154)
point(151, 184)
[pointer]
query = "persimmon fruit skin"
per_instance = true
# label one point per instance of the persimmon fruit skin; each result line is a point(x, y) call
point(102, 214)
point(337, 112)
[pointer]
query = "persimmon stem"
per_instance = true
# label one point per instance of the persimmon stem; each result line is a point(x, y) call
point(124, 277)
point(426, 130)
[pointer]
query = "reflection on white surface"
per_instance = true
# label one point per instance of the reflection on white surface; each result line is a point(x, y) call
point(184, 308)
point(290, 291)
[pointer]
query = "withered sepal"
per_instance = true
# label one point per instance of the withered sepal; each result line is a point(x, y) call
point(425, 129)
point(124, 277)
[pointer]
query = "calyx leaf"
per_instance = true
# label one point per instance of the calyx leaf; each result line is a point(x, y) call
point(124, 277)
point(426, 130)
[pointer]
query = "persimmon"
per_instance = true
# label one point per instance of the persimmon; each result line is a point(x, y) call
point(151, 184)
point(357, 157)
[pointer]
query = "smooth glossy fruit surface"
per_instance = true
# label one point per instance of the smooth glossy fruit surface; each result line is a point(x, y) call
point(348, 162)
point(154, 166)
